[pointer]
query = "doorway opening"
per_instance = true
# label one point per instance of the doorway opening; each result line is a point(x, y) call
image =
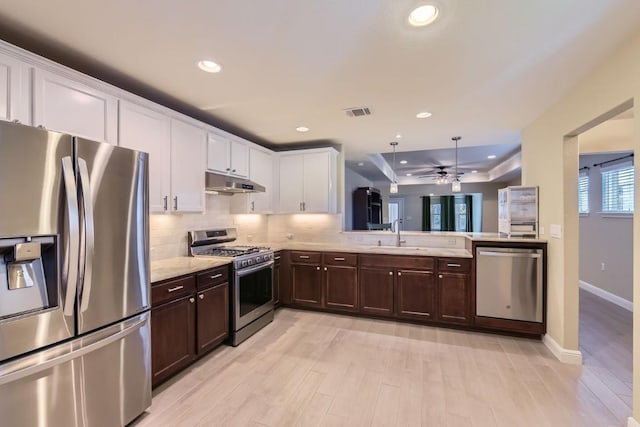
point(605, 209)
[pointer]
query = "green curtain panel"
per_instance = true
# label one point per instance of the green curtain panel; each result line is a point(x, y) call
point(448, 210)
point(468, 200)
point(426, 213)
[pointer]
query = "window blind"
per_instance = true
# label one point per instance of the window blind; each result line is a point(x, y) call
point(583, 193)
point(617, 188)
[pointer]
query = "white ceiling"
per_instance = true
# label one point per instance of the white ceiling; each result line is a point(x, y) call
point(485, 69)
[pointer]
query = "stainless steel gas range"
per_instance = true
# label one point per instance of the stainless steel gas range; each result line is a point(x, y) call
point(252, 288)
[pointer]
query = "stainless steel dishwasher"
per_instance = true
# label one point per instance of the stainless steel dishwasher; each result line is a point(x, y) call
point(509, 283)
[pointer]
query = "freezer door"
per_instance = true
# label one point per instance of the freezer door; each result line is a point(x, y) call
point(37, 204)
point(114, 250)
point(101, 379)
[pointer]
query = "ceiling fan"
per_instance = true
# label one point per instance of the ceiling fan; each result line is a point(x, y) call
point(439, 172)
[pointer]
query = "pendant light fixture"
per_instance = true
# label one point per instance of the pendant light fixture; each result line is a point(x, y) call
point(394, 184)
point(456, 186)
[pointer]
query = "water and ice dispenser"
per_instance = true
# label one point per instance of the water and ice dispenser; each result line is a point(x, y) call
point(27, 275)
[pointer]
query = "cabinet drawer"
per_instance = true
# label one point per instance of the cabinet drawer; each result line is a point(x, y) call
point(397, 261)
point(455, 265)
point(172, 290)
point(213, 277)
point(338, 258)
point(299, 257)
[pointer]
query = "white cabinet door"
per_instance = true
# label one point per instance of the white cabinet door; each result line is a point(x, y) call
point(188, 151)
point(239, 159)
point(14, 90)
point(291, 184)
point(317, 182)
point(145, 130)
point(64, 105)
point(218, 154)
point(261, 172)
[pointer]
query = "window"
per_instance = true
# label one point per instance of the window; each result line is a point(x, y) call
point(617, 188)
point(435, 215)
point(460, 213)
point(583, 193)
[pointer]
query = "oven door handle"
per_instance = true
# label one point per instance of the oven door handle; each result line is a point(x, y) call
point(244, 271)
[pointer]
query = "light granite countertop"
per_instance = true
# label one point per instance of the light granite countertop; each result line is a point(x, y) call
point(173, 267)
point(364, 249)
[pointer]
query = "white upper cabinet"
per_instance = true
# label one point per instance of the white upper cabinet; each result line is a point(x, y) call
point(227, 156)
point(65, 105)
point(146, 130)
point(14, 90)
point(308, 181)
point(260, 172)
point(188, 153)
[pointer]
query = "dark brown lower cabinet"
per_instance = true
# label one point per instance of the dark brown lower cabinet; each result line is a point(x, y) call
point(213, 317)
point(453, 300)
point(172, 337)
point(415, 294)
point(341, 288)
point(306, 285)
point(376, 291)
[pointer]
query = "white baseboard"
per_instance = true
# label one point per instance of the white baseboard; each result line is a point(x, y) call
point(573, 357)
point(606, 295)
point(631, 422)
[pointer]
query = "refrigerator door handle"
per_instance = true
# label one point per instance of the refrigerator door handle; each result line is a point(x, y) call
point(73, 220)
point(89, 235)
point(40, 362)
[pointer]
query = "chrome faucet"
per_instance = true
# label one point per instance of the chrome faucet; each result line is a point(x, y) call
point(396, 227)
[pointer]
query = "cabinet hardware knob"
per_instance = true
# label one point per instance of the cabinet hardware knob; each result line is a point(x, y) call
point(192, 300)
point(439, 276)
point(318, 268)
point(233, 170)
point(16, 121)
point(201, 296)
point(175, 288)
point(41, 127)
point(228, 169)
point(399, 273)
point(215, 276)
point(391, 273)
point(325, 269)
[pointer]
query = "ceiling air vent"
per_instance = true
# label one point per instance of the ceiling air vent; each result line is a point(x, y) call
point(358, 111)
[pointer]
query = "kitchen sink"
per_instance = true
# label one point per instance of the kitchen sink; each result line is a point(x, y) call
point(406, 248)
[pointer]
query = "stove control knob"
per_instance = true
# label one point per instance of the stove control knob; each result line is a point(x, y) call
point(267, 257)
point(244, 263)
point(250, 261)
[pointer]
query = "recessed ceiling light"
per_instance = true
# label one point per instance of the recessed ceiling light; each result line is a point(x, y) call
point(360, 163)
point(423, 15)
point(431, 194)
point(409, 174)
point(474, 171)
point(403, 162)
point(302, 129)
point(398, 136)
point(491, 156)
point(209, 66)
point(423, 115)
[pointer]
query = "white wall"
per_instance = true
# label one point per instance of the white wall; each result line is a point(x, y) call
point(352, 180)
point(603, 239)
point(550, 161)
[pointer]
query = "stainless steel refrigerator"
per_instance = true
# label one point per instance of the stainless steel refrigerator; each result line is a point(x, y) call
point(74, 281)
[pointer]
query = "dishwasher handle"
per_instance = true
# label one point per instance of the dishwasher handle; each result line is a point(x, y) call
point(510, 254)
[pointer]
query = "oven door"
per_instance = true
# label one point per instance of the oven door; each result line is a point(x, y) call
point(253, 293)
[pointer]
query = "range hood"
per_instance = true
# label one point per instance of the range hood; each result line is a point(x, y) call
point(230, 185)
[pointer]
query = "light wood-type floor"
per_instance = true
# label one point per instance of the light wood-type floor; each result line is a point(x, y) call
point(315, 369)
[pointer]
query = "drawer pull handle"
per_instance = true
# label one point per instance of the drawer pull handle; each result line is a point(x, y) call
point(454, 265)
point(304, 256)
point(338, 259)
point(215, 276)
point(175, 288)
